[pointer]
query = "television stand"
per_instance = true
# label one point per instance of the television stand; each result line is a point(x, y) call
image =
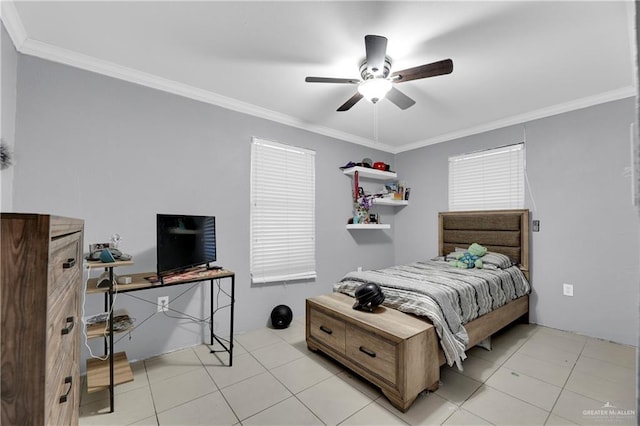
point(149, 280)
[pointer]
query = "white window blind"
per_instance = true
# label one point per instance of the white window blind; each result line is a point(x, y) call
point(487, 180)
point(283, 243)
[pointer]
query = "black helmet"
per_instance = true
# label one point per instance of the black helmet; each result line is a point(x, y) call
point(368, 297)
point(281, 316)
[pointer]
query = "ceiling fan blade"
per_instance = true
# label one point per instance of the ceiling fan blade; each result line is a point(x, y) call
point(331, 80)
point(423, 71)
point(376, 47)
point(401, 100)
point(351, 102)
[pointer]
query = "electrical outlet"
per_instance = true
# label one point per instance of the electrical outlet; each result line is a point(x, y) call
point(163, 303)
point(567, 289)
point(536, 226)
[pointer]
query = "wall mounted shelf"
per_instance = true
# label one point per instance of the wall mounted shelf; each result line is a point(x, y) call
point(368, 226)
point(389, 202)
point(379, 175)
point(365, 172)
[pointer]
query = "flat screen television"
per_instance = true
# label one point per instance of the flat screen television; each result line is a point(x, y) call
point(185, 241)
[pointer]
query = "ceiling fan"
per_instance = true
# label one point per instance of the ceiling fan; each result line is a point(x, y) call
point(376, 81)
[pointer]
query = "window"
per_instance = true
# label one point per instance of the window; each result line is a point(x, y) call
point(487, 180)
point(283, 245)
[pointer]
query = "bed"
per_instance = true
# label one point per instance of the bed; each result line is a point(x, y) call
point(402, 352)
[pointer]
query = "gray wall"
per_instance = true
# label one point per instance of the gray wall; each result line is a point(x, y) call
point(578, 168)
point(115, 154)
point(9, 63)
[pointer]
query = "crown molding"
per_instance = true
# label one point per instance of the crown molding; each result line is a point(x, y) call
point(13, 23)
point(612, 95)
point(53, 53)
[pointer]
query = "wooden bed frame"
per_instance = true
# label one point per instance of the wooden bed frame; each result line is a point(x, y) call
point(399, 352)
point(500, 231)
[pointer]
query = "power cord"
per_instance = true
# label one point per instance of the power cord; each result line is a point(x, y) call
point(218, 307)
point(220, 290)
point(198, 320)
point(184, 316)
point(84, 322)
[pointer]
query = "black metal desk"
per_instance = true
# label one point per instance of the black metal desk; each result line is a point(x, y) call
point(147, 281)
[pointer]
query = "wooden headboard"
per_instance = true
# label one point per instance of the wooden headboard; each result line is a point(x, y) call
point(501, 231)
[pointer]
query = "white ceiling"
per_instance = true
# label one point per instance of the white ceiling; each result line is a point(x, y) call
point(513, 61)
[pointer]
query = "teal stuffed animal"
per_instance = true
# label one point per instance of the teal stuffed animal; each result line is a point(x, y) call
point(470, 258)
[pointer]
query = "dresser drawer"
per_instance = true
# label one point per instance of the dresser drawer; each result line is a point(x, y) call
point(63, 336)
point(372, 352)
point(65, 258)
point(327, 330)
point(62, 305)
point(63, 352)
point(61, 411)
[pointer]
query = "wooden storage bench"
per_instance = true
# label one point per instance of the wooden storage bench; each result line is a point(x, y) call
point(386, 347)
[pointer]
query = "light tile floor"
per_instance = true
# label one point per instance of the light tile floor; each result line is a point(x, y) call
point(533, 375)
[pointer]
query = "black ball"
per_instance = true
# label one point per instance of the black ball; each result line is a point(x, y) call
point(281, 316)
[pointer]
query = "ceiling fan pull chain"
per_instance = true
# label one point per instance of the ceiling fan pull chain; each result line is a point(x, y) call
point(375, 123)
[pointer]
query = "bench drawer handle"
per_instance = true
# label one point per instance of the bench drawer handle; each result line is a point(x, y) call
point(326, 329)
point(369, 352)
point(68, 329)
point(64, 397)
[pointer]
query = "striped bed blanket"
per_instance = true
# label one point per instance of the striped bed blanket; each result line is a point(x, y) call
point(448, 296)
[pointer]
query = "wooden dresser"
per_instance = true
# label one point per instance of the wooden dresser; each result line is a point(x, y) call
point(386, 347)
point(40, 290)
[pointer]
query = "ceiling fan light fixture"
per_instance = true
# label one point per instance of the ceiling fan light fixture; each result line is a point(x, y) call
point(374, 89)
point(376, 82)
